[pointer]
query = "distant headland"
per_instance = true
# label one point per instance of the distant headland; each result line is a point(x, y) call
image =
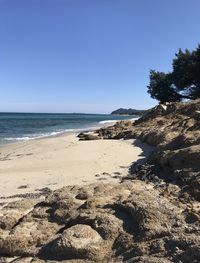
point(130, 111)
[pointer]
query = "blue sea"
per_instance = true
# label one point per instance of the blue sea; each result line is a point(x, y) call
point(28, 126)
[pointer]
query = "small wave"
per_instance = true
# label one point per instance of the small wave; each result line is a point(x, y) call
point(37, 136)
point(134, 119)
point(114, 121)
point(42, 135)
point(108, 121)
point(18, 139)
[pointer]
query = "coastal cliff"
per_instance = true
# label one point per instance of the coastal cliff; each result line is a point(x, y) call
point(152, 216)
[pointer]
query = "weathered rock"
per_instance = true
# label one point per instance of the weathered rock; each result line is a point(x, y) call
point(128, 222)
point(88, 136)
point(12, 212)
point(83, 195)
point(78, 241)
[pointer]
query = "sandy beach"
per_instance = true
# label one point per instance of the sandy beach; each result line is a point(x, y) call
point(54, 162)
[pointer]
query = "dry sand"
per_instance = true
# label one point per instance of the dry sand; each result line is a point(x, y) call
point(64, 160)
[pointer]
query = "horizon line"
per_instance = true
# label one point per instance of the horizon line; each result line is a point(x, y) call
point(22, 112)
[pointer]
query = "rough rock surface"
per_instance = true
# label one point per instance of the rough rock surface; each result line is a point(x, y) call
point(150, 217)
point(129, 222)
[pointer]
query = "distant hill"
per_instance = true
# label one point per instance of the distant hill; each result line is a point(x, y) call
point(122, 111)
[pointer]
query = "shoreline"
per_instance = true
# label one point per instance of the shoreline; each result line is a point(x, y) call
point(54, 162)
point(101, 124)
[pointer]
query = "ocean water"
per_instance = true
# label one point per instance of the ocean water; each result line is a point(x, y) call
point(28, 126)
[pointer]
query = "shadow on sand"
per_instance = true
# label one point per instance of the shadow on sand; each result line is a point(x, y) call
point(146, 152)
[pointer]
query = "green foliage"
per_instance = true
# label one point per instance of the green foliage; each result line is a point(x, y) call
point(182, 69)
point(182, 83)
point(161, 87)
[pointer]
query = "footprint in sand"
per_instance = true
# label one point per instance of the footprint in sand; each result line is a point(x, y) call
point(28, 154)
point(117, 173)
point(106, 174)
point(84, 181)
point(23, 186)
point(102, 179)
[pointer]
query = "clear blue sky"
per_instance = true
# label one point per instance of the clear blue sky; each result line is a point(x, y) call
point(89, 55)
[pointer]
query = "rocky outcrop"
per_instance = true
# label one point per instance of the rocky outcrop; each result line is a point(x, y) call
point(128, 222)
point(174, 129)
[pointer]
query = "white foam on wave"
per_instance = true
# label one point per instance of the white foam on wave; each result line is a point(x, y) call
point(108, 121)
point(43, 135)
point(37, 136)
point(114, 121)
point(17, 139)
point(134, 119)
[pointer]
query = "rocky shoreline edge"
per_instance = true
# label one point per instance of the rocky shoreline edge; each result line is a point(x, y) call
point(152, 216)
